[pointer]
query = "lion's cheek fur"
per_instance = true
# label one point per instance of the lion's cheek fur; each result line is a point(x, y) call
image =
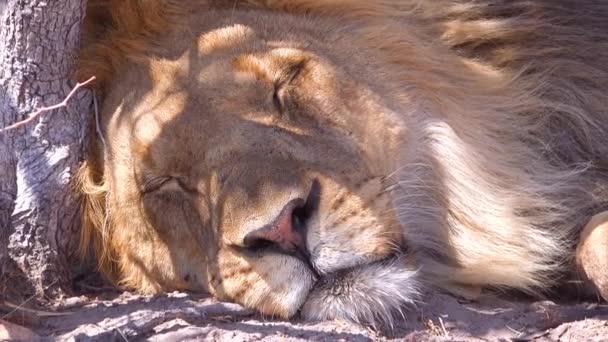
point(143, 257)
point(156, 264)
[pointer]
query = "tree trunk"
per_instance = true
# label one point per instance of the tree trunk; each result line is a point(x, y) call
point(38, 214)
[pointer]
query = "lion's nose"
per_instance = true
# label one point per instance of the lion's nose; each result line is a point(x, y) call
point(285, 234)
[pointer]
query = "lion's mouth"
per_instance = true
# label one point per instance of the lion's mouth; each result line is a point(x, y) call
point(375, 293)
point(339, 276)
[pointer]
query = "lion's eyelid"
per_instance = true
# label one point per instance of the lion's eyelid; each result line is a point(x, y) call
point(155, 183)
point(168, 183)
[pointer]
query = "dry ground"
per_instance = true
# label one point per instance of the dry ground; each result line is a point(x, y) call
point(184, 317)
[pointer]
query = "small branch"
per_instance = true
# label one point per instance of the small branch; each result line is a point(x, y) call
point(39, 112)
point(38, 313)
point(517, 333)
point(122, 334)
point(98, 122)
point(445, 332)
point(20, 306)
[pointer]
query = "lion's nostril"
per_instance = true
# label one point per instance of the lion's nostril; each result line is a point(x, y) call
point(299, 217)
point(285, 232)
point(303, 212)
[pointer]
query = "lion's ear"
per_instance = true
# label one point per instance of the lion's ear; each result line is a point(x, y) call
point(115, 31)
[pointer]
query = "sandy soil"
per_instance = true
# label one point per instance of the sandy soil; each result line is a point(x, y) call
point(184, 317)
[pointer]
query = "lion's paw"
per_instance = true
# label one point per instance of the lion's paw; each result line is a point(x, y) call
point(592, 253)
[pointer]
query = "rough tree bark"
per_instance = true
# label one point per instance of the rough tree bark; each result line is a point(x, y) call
point(38, 213)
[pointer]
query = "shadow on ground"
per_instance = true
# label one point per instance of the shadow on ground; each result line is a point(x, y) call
point(178, 317)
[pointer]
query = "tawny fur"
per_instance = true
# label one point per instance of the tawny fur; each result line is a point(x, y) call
point(506, 155)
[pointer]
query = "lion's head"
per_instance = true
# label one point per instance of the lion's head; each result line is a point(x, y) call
point(292, 162)
point(254, 161)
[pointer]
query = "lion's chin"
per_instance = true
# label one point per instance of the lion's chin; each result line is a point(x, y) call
point(374, 294)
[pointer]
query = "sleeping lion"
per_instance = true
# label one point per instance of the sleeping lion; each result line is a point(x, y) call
point(337, 158)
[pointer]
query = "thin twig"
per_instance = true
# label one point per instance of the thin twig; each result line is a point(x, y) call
point(445, 332)
point(233, 10)
point(102, 288)
point(18, 307)
point(516, 332)
point(98, 121)
point(39, 112)
point(122, 334)
point(38, 313)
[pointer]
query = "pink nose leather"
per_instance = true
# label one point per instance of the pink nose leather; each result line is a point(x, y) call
point(281, 232)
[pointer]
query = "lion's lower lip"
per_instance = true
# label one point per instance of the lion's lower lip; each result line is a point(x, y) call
point(363, 263)
point(370, 293)
point(333, 278)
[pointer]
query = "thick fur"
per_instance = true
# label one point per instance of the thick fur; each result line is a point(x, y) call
point(487, 128)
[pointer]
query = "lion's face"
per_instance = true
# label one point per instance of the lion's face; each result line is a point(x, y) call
point(253, 166)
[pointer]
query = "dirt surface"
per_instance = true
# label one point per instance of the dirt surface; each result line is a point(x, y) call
point(185, 317)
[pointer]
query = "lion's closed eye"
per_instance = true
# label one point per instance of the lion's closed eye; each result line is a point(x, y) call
point(153, 184)
point(166, 183)
point(169, 203)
